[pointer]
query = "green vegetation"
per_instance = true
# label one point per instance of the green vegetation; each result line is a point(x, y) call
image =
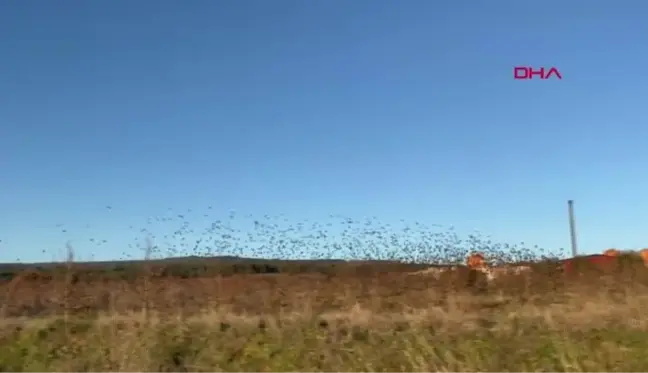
point(582, 334)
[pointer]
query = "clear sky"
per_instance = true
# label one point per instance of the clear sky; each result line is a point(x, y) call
point(118, 116)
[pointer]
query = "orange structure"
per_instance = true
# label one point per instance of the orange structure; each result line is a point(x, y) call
point(599, 261)
point(476, 261)
point(611, 252)
point(644, 256)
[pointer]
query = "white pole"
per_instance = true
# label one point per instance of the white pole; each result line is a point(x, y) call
point(572, 228)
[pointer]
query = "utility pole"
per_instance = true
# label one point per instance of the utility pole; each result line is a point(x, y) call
point(572, 228)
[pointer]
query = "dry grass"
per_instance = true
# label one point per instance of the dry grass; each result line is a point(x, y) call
point(388, 322)
point(352, 321)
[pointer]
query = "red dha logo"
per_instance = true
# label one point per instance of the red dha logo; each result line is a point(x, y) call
point(525, 72)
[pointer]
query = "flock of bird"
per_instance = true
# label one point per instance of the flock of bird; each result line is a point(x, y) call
point(477, 262)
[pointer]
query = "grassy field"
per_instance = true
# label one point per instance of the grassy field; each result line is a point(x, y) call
point(390, 320)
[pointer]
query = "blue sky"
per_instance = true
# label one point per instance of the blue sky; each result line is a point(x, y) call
point(302, 109)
